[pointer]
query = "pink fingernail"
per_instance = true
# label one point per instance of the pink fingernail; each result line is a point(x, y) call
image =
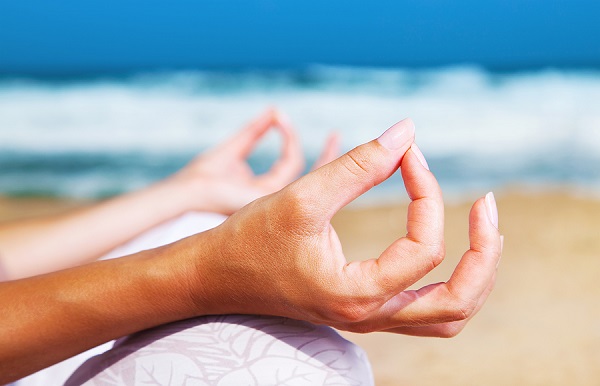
point(415, 149)
point(490, 203)
point(398, 135)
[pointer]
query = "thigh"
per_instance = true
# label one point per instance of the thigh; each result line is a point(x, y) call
point(230, 350)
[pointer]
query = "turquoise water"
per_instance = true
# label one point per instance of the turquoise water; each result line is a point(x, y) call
point(97, 136)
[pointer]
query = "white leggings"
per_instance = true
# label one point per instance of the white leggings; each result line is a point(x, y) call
point(213, 350)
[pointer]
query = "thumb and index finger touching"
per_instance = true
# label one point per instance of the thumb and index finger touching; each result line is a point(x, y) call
point(411, 257)
point(245, 140)
point(334, 185)
point(329, 188)
point(338, 183)
point(291, 160)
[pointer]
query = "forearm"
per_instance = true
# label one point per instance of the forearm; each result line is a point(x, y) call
point(46, 319)
point(38, 246)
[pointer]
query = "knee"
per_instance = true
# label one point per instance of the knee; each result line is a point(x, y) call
point(232, 350)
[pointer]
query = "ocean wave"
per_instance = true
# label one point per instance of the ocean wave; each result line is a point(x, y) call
point(477, 128)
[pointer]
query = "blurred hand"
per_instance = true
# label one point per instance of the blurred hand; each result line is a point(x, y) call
point(281, 256)
point(221, 180)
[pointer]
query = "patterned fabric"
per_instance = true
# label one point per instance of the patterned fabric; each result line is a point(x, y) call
point(229, 350)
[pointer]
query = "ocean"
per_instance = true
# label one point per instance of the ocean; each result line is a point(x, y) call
point(96, 136)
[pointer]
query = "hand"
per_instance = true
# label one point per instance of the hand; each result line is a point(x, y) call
point(281, 256)
point(221, 180)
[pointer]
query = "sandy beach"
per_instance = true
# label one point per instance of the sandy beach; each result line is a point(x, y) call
point(541, 325)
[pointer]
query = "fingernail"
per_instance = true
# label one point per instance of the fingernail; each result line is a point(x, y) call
point(397, 136)
point(490, 203)
point(415, 149)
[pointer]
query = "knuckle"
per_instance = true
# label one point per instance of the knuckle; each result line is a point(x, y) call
point(432, 254)
point(351, 303)
point(460, 309)
point(351, 313)
point(386, 282)
point(349, 310)
point(289, 213)
point(294, 196)
point(426, 207)
point(356, 162)
point(437, 253)
point(429, 204)
point(485, 248)
point(294, 200)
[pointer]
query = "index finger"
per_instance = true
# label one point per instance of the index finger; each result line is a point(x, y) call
point(458, 298)
point(446, 329)
point(411, 257)
point(244, 141)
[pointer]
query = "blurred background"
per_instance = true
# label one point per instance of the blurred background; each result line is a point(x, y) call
point(99, 97)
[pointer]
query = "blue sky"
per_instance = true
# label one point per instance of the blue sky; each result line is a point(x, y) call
point(67, 36)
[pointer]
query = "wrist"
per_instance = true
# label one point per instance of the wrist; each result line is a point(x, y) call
point(183, 195)
point(166, 275)
point(183, 273)
point(56, 316)
point(190, 193)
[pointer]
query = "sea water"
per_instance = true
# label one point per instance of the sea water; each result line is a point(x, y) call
point(100, 135)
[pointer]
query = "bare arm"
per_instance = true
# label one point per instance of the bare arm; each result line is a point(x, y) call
point(217, 181)
point(48, 318)
point(35, 246)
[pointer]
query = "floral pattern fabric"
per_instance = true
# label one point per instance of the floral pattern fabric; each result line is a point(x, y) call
point(240, 350)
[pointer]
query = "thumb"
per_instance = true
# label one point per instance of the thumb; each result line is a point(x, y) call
point(337, 183)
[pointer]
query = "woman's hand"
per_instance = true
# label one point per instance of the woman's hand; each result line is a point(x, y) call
point(220, 180)
point(281, 256)
point(278, 255)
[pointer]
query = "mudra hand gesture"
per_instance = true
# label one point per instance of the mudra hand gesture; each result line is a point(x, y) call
point(221, 180)
point(281, 256)
point(278, 255)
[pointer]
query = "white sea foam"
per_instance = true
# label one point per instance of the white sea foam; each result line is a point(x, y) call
point(477, 128)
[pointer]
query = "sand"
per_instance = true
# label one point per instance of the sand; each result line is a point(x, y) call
point(540, 326)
